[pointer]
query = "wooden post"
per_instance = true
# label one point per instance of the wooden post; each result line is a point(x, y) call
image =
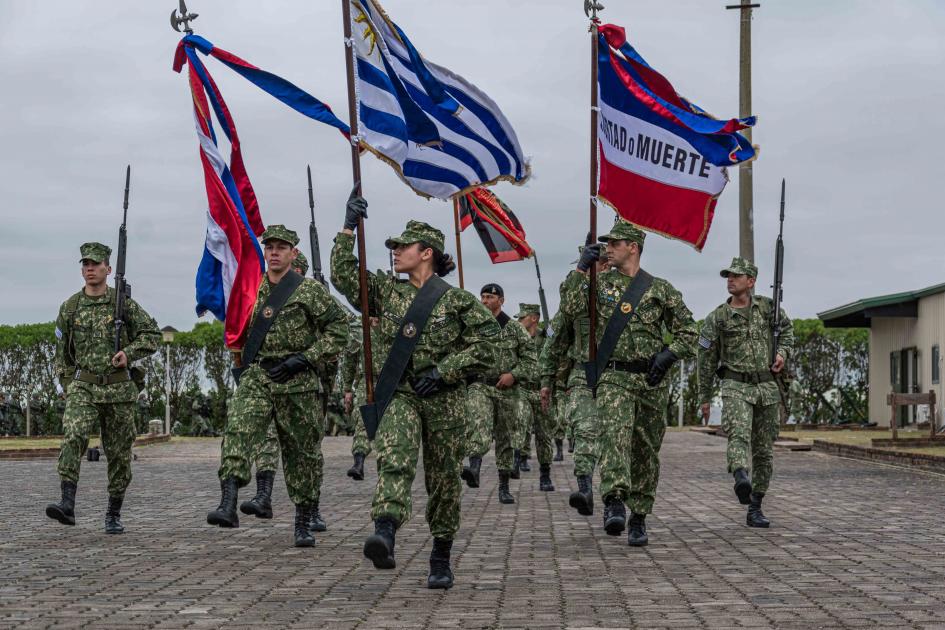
point(893, 420)
point(459, 244)
point(356, 179)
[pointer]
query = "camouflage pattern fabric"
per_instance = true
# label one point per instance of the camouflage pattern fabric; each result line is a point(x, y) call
point(267, 453)
point(312, 324)
point(494, 413)
point(542, 424)
point(458, 340)
point(85, 340)
point(730, 339)
point(584, 431)
point(360, 444)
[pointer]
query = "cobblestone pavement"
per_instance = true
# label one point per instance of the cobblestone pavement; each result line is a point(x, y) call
point(853, 544)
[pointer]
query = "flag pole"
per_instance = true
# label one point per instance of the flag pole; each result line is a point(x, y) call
point(591, 7)
point(356, 177)
point(459, 244)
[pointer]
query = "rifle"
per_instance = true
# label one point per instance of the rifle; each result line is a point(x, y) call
point(541, 294)
point(778, 285)
point(313, 234)
point(122, 288)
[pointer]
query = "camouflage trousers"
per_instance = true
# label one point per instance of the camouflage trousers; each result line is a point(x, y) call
point(361, 444)
point(583, 426)
point(83, 415)
point(437, 425)
point(632, 424)
point(498, 414)
point(267, 454)
point(299, 430)
point(750, 418)
point(560, 400)
point(543, 427)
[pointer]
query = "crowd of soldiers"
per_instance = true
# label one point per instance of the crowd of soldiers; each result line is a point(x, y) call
point(456, 378)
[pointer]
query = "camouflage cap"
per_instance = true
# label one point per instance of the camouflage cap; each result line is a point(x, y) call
point(740, 267)
point(300, 263)
point(415, 232)
point(95, 252)
point(280, 232)
point(524, 310)
point(623, 230)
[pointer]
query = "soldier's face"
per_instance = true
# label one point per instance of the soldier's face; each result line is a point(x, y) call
point(409, 257)
point(492, 302)
point(739, 284)
point(279, 254)
point(529, 320)
point(95, 273)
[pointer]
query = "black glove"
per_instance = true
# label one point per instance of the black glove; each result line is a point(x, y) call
point(659, 366)
point(589, 256)
point(355, 210)
point(428, 384)
point(291, 366)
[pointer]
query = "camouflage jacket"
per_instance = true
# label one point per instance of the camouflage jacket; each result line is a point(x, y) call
point(459, 338)
point(311, 323)
point(730, 340)
point(85, 340)
point(515, 354)
point(660, 311)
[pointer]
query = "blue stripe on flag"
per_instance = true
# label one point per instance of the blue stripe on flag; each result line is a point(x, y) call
point(209, 286)
point(382, 122)
point(424, 170)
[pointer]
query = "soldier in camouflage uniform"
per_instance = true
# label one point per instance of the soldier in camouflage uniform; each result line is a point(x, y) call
point(495, 401)
point(97, 382)
point(571, 348)
point(427, 410)
point(352, 386)
point(735, 344)
point(529, 316)
point(280, 386)
point(631, 392)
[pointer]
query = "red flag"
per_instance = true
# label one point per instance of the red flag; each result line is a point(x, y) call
point(499, 229)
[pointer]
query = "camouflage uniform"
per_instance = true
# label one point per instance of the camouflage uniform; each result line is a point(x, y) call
point(731, 342)
point(351, 373)
point(311, 324)
point(457, 342)
point(542, 423)
point(85, 337)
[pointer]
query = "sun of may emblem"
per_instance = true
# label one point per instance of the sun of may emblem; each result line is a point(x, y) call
point(626, 307)
point(267, 312)
point(368, 34)
point(410, 331)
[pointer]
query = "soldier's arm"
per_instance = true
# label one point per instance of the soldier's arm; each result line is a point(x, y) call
point(708, 357)
point(679, 322)
point(144, 336)
point(480, 333)
point(345, 274)
point(331, 322)
point(348, 367)
point(526, 368)
point(786, 342)
point(65, 368)
point(556, 346)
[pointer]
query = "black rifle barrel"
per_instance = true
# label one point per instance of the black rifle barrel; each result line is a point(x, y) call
point(541, 292)
point(121, 286)
point(313, 234)
point(778, 285)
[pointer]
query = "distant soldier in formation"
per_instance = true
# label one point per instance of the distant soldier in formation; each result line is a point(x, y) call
point(735, 345)
point(352, 386)
point(495, 401)
point(529, 316)
point(279, 385)
point(98, 382)
point(454, 336)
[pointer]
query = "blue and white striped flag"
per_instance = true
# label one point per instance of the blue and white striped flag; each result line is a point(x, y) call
point(441, 134)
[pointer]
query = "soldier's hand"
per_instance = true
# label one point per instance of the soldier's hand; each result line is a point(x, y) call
point(120, 360)
point(589, 257)
point(659, 366)
point(705, 408)
point(355, 210)
point(778, 364)
point(348, 401)
point(505, 381)
point(291, 366)
point(545, 399)
point(428, 384)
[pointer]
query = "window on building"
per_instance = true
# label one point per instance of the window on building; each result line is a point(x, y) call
point(936, 370)
point(895, 359)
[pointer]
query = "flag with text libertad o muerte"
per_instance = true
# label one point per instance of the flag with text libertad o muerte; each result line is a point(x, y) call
point(441, 134)
point(662, 158)
point(499, 229)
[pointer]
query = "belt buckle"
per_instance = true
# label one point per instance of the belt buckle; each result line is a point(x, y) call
point(102, 379)
point(755, 378)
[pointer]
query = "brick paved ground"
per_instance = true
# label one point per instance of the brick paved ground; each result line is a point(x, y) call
point(854, 544)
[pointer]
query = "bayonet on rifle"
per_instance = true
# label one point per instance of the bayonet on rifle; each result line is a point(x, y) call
point(122, 288)
point(313, 234)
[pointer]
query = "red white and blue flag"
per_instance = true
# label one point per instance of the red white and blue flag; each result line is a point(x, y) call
point(662, 158)
point(232, 265)
point(499, 229)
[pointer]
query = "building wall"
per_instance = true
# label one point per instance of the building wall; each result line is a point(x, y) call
point(891, 334)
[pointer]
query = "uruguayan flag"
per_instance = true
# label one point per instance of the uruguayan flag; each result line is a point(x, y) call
point(440, 133)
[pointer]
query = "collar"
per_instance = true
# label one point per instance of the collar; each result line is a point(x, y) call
point(503, 319)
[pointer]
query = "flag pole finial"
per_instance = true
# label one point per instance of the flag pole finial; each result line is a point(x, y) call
point(591, 7)
point(182, 18)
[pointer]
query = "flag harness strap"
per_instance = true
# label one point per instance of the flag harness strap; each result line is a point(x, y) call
point(265, 317)
point(621, 316)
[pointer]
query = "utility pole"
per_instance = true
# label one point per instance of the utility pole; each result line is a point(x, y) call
point(746, 222)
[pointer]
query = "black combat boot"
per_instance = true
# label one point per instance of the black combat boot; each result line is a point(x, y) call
point(316, 524)
point(755, 517)
point(742, 485)
point(225, 515)
point(544, 478)
point(356, 471)
point(637, 537)
point(471, 472)
point(504, 495)
point(582, 499)
point(441, 576)
point(570, 445)
point(516, 464)
point(113, 516)
point(380, 546)
point(559, 450)
point(303, 519)
point(64, 511)
point(261, 505)
point(615, 516)
point(523, 464)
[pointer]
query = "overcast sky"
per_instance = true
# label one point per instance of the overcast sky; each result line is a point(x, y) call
point(848, 96)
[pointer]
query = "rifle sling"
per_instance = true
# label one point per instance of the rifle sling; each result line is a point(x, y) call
point(261, 324)
point(616, 324)
point(401, 350)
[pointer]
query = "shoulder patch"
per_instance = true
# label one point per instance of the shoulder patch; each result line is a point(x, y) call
point(705, 343)
point(58, 333)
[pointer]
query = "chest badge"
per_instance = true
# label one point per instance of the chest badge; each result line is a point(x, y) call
point(626, 307)
point(410, 331)
point(267, 312)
